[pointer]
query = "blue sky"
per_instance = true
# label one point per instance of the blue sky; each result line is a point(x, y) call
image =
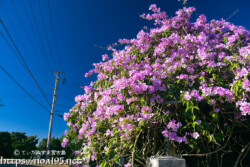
point(79, 26)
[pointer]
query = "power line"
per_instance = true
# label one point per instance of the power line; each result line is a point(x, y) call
point(27, 92)
point(59, 105)
point(73, 87)
point(74, 82)
point(39, 35)
point(46, 33)
point(54, 35)
point(24, 89)
point(17, 34)
point(66, 98)
point(232, 15)
point(11, 48)
point(24, 63)
point(27, 34)
point(38, 41)
point(71, 84)
point(60, 111)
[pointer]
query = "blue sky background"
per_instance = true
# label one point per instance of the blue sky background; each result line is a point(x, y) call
point(79, 26)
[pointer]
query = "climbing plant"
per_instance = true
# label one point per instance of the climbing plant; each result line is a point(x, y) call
point(181, 85)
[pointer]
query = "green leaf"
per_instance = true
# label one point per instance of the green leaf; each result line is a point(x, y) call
point(215, 116)
point(103, 164)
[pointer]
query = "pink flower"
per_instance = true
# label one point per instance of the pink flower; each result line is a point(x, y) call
point(89, 73)
point(130, 126)
point(195, 93)
point(66, 116)
point(174, 126)
point(183, 76)
point(153, 6)
point(77, 153)
point(93, 124)
point(195, 135)
point(79, 98)
point(83, 130)
point(65, 141)
point(203, 73)
point(243, 72)
point(93, 156)
point(108, 132)
point(217, 110)
point(213, 102)
point(88, 89)
point(246, 85)
point(245, 108)
point(187, 96)
point(105, 57)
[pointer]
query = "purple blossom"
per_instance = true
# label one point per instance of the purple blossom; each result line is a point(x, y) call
point(195, 135)
point(174, 126)
point(246, 85)
point(83, 130)
point(65, 141)
point(130, 126)
point(195, 94)
point(153, 6)
point(79, 98)
point(105, 57)
point(88, 89)
point(212, 102)
point(127, 165)
point(77, 153)
point(187, 96)
point(132, 83)
point(93, 156)
point(216, 110)
point(245, 108)
point(243, 72)
point(108, 132)
point(66, 116)
point(183, 76)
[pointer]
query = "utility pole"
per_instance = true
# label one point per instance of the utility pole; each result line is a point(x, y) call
point(52, 112)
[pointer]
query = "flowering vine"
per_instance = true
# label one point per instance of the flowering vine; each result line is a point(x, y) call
point(180, 82)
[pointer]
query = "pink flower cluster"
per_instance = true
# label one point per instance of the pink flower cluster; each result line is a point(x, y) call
point(171, 132)
point(200, 61)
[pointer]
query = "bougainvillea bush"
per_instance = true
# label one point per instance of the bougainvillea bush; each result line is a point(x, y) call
point(180, 88)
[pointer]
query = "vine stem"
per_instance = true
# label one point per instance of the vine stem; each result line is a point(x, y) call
point(201, 155)
point(133, 153)
point(242, 151)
